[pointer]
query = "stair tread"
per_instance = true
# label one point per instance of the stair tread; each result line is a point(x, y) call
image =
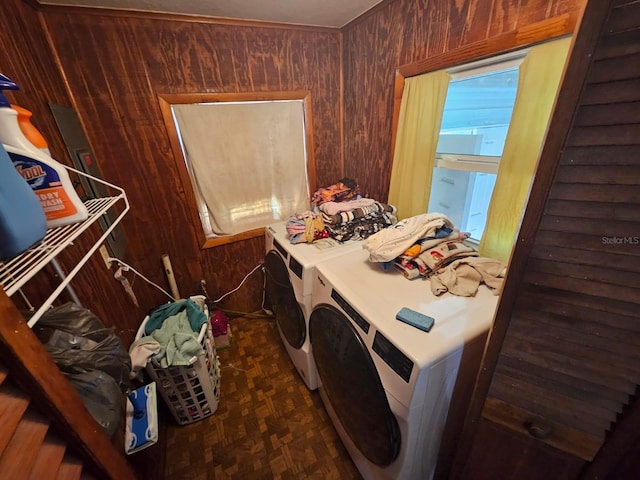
point(70, 469)
point(20, 453)
point(13, 405)
point(49, 458)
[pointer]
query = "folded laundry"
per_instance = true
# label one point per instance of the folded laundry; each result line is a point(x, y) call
point(345, 216)
point(391, 242)
point(444, 253)
point(333, 208)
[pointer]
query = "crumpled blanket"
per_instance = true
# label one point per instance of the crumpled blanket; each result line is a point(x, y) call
point(178, 342)
point(194, 313)
point(463, 276)
point(391, 242)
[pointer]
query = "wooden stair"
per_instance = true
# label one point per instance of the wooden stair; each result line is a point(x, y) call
point(30, 448)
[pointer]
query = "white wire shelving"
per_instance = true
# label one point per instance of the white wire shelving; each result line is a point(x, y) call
point(15, 273)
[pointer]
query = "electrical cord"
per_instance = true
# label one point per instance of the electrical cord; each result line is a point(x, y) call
point(238, 287)
point(126, 267)
point(268, 312)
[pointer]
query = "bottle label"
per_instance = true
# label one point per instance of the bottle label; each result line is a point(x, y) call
point(46, 183)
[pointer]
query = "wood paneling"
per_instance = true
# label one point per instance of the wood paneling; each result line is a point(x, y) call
point(497, 450)
point(27, 59)
point(404, 32)
point(116, 66)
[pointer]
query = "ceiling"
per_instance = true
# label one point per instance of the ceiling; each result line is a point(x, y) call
point(322, 13)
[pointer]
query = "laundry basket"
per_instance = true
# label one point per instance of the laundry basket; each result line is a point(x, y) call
point(192, 392)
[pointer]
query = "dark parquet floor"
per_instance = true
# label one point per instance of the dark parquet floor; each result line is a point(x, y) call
point(268, 425)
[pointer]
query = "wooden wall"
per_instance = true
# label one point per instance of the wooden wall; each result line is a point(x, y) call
point(406, 31)
point(27, 59)
point(116, 66)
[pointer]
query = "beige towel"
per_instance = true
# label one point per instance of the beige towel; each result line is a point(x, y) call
point(463, 276)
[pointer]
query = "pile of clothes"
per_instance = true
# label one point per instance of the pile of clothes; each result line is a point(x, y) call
point(430, 246)
point(170, 336)
point(341, 212)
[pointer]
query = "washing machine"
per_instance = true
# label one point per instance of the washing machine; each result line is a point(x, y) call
point(288, 275)
point(396, 395)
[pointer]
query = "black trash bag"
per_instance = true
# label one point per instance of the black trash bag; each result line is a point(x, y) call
point(78, 342)
point(101, 394)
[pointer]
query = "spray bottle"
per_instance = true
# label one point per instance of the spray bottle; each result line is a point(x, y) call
point(47, 178)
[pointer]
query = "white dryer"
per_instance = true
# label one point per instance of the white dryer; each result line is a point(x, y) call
point(396, 395)
point(289, 270)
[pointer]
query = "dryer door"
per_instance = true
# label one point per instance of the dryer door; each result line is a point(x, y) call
point(287, 311)
point(352, 385)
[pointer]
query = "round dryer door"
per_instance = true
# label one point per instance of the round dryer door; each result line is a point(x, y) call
point(286, 309)
point(352, 385)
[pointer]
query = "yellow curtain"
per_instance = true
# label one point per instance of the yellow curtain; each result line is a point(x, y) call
point(538, 81)
point(418, 130)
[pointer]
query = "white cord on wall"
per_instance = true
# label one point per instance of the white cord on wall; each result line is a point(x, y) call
point(241, 283)
point(126, 267)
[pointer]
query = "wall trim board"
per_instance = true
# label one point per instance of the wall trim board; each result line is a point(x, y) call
point(526, 36)
point(575, 77)
point(171, 17)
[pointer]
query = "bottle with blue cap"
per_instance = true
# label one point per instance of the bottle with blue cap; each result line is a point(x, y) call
point(48, 179)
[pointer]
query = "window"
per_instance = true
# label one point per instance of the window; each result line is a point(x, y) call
point(475, 122)
point(245, 157)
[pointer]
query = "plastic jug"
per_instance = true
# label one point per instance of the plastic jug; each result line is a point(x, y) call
point(47, 178)
point(22, 220)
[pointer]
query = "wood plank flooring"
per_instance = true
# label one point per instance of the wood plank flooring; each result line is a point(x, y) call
point(268, 425)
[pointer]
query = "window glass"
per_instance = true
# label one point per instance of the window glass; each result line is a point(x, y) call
point(474, 127)
point(477, 113)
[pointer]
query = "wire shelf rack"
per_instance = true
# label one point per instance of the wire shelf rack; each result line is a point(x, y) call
point(15, 273)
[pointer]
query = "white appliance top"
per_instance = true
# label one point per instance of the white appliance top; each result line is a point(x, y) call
point(305, 256)
point(309, 254)
point(378, 295)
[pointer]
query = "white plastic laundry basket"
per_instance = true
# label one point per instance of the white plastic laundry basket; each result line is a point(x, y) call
point(192, 392)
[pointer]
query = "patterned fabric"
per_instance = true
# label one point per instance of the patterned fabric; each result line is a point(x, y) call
point(306, 227)
point(343, 189)
point(357, 213)
point(361, 228)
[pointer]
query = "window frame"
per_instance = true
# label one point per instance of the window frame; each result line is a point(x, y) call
point(167, 100)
